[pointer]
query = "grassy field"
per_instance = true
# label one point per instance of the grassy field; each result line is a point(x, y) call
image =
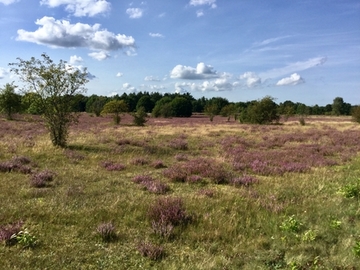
point(181, 194)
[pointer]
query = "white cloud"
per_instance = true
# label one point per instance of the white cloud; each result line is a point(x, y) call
point(252, 80)
point(294, 67)
point(8, 2)
point(268, 41)
point(211, 3)
point(151, 78)
point(100, 56)
point(220, 84)
point(3, 72)
point(294, 79)
point(119, 74)
point(201, 72)
point(80, 8)
point(63, 34)
point(74, 59)
point(128, 87)
point(199, 13)
point(156, 35)
point(134, 13)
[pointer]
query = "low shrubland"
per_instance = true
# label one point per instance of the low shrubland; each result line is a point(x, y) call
point(178, 194)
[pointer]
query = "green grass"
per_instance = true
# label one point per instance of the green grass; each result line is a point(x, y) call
point(236, 228)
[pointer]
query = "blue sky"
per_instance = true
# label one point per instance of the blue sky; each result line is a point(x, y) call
point(301, 50)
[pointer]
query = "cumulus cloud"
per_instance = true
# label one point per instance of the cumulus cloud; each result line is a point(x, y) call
point(8, 2)
point(294, 79)
point(201, 72)
point(63, 34)
point(294, 67)
point(211, 3)
point(80, 8)
point(119, 74)
point(100, 56)
point(151, 78)
point(3, 72)
point(252, 80)
point(74, 59)
point(128, 87)
point(218, 85)
point(199, 13)
point(156, 35)
point(134, 13)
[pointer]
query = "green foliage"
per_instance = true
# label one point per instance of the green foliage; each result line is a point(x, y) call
point(356, 114)
point(229, 110)
point(264, 111)
point(146, 103)
point(350, 191)
point(25, 239)
point(55, 86)
point(115, 107)
point(10, 102)
point(356, 249)
point(163, 108)
point(31, 103)
point(291, 224)
point(181, 107)
point(211, 110)
point(140, 117)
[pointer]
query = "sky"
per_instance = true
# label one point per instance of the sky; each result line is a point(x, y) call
point(300, 50)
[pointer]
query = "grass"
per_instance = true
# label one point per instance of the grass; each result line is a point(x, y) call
point(92, 217)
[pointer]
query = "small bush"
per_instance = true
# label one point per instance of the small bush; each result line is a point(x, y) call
point(7, 232)
point(111, 166)
point(25, 239)
point(153, 252)
point(166, 213)
point(41, 179)
point(151, 185)
point(350, 191)
point(245, 180)
point(178, 144)
point(17, 164)
point(106, 231)
point(302, 121)
point(139, 161)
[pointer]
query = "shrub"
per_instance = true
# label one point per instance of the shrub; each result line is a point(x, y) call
point(178, 144)
point(356, 114)
point(139, 117)
point(111, 166)
point(25, 239)
point(41, 179)
point(166, 213)
point(8, 231)
point(106, 231)
point(245, 180)
point(17, 164)
point(153, 252)
point(139, 161)
point(158, 164)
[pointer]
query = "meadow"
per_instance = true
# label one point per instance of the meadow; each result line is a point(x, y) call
point(181, 193)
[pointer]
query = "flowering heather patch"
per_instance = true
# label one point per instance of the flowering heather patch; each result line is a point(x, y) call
point(17, 164)
point(41, 179)
point(153, 252)
point(245, 180)
point(7, 232)
point(151, 185)
point(207, 192)
point(139, 161)
point(158, 164)
point(181, 157)
point(111, 166)
point(167, 211)
point(106, 231)
point(73, 155)
point(178, 144)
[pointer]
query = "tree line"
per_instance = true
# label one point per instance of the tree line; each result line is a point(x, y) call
point(56, 91)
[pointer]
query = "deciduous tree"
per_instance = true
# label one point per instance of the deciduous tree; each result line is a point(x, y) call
point(55, 85)
point(10, 102)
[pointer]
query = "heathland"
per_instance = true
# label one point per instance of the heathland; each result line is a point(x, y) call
point(181, 193)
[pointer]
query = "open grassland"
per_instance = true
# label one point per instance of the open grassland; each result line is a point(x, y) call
point(181, 194)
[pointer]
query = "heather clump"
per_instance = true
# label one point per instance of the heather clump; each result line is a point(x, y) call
point(139, 161)
point(151, 185)
point(196, 169)
point(41, 179)
point(178, 144)
point(106, 231)
point(166, 213)
point(112, 166)
point(152, 251)
point(158, 164)
point(19, 164)
point(7, 232)
point(245, 180)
